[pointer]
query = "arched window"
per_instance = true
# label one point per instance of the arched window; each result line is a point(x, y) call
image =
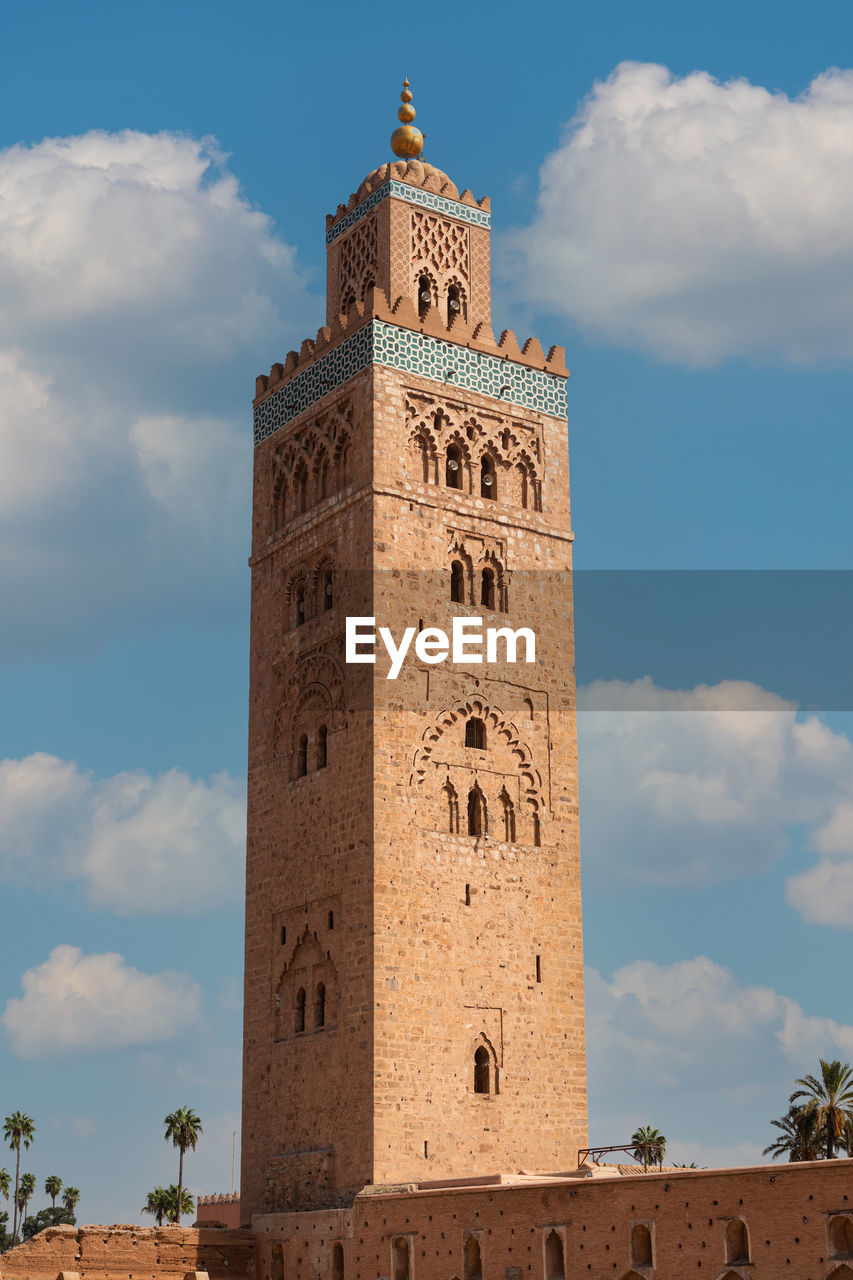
point(488, 478)
point(528, 708)
point(320, 1005)
point(400, 1255)
point(322, 746)
point(487, 589)
point(473, 1260)
point(641, 1246)
point(453, 468)
point(509, 818)
point(453, 807)
point(424, 296)
point(476, 813)
point(299, 1019)
point(337, 1261)
point(737, 1241)
point(482, 1065)
point(302, 756)
point(454, 303)
point(328, 589)
point(555, 1266)
point(475, 733)
point(840, 1236)
point(300, 604)
point(535, 822)
point(302, 492)
point(457, 582)
point(324, 479)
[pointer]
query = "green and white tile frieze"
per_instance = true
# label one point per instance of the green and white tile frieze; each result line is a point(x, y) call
point(445, 362)
point(413, 195)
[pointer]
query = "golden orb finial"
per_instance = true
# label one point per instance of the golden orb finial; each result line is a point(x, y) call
point(407, 141)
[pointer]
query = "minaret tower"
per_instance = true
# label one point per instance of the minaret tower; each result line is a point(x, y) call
point(414, 992)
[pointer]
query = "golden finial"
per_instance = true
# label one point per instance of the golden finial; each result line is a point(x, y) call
point(407, 141)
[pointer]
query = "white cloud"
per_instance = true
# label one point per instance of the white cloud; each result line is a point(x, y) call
point(662, 1037)
point(696, 786)
point(700, 221)
point(139, 294)
point(76, 1003)
point(136, 843)
point(824, 894)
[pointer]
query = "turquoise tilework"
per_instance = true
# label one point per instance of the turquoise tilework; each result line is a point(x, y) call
point(414, 195)
point(387, 344)
point(304, 390)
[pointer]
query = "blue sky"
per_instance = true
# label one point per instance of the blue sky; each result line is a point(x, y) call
point(672, 196)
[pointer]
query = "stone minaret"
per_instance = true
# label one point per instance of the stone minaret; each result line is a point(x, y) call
point(413, 987)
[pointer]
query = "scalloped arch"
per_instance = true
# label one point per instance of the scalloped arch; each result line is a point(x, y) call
point(496, 723)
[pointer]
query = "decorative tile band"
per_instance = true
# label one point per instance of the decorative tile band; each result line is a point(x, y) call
point(381, 343)
point(304, 389)
point(414, 195)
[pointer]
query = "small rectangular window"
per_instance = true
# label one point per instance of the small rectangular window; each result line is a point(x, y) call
point(467, 895)
point(538, 968)
point(331, 919)
point(283, 935)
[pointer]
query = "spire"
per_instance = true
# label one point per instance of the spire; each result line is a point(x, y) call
point(407, 141)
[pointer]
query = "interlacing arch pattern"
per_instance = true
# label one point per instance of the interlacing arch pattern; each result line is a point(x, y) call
point(498, 728)
point(358, 262)
point(311, 464)
point(440, 244)
point(437, 439)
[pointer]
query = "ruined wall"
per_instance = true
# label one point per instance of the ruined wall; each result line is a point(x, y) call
point(131, 1253)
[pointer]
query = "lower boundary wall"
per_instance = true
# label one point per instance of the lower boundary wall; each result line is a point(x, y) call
point(793, 1221)
point(131, 1253)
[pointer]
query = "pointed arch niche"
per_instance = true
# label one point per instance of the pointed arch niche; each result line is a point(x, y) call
point(555, 1257)
point(306, 994)
point(310, 707)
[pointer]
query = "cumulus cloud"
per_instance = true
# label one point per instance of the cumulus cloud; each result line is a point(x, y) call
point(700, 220)
point(75, 1003)
point(139, 294)
point(661, 1037)
point(697, 786)
point(679, 787)
point(135, 843)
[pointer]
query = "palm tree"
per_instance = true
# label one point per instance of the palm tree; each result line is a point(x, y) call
point(802, 1136)
point(52, 1188)
point(187, 1203)
point(157, 1204)
point(5, 1184)
point(830, 1098)
point(17, 1129)
point(25, 1191)
point(650, 1145)
point(184, 1128)
point(70, 1196)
